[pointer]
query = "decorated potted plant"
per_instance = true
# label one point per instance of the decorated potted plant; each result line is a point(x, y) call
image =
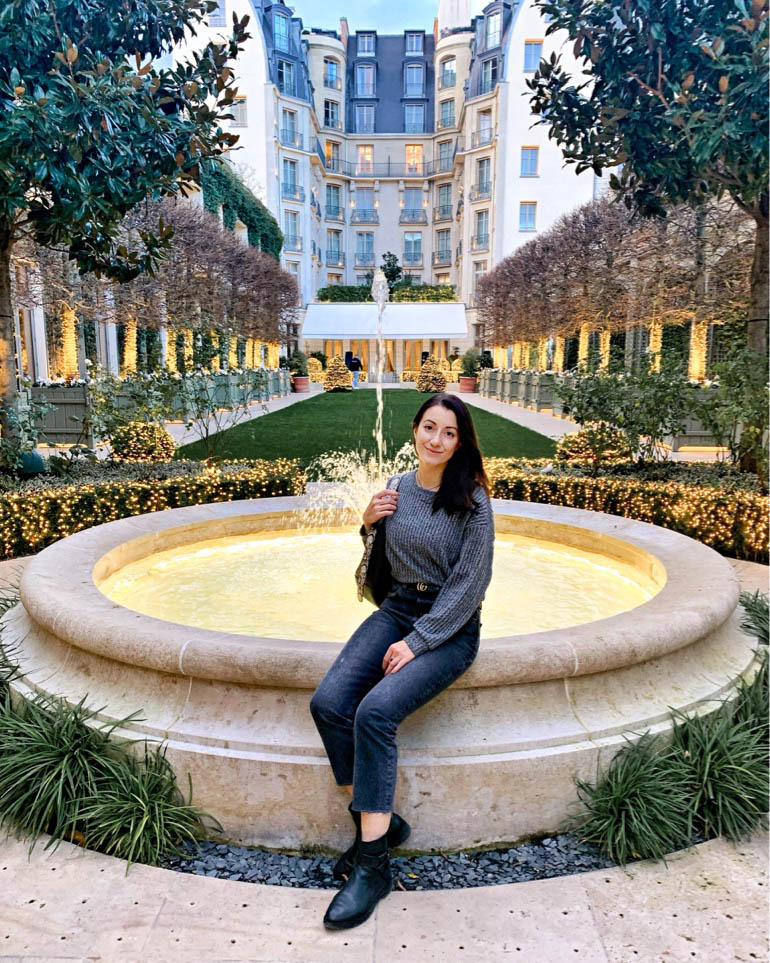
point(300, 381)
point(469, 370)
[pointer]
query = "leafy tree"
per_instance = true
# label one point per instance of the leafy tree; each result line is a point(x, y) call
point(91, 124)
point(676, 92)
point(391, 269)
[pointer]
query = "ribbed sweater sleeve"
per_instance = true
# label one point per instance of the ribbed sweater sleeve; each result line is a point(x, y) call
point(465, 586)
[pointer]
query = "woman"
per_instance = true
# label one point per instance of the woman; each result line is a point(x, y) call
point(440, 535)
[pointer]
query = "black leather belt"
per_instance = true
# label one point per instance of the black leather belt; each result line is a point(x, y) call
point(421, 586)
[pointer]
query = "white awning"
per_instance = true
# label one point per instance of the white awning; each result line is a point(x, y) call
point(400, 321)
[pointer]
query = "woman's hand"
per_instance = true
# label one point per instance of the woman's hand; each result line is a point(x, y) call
point(383, 503)
point(396, 657)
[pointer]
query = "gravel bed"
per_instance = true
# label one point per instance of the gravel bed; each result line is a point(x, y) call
point(559, 855)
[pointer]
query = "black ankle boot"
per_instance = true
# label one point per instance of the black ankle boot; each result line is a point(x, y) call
point(370, 880)
point(398, 832)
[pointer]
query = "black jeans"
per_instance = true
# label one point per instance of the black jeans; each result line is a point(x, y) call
point(357, 708)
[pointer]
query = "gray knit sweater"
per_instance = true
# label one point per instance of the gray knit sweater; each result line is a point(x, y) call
point(447, 550)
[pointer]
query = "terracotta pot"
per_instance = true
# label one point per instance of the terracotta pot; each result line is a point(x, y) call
point(467, 383)
point(300, 383)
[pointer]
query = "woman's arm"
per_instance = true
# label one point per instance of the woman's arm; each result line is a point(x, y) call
point(462, 592)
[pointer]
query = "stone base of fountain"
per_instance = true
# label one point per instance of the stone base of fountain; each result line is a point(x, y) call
point(492, 759)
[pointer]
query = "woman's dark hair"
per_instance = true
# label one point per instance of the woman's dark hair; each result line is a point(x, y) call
point(465, 469)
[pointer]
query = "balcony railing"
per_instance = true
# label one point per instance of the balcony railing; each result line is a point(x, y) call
point(365, 215)
point(446, 80)
point(364, 259)
point(292, 242)
point(442, 213)
point(365, 90)
point(393, 169)
point(333, 81)
point(333, 165)
point(292, 192)
point(335, 213)
point(414, 90)
point(414, 128)
point(442, 257)
point(415, 216)
point(335, 259)
point(413, 257)
point(443, 165)
point(480, 242)
point(482, 137)
point(481, 191)
point(291, 138)
point(332, 123)
point(445, 121)
point(486, 86)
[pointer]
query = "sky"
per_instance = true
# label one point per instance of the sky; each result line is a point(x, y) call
point(385, 16)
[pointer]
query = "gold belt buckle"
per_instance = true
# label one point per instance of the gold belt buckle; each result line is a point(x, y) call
point(422, 586)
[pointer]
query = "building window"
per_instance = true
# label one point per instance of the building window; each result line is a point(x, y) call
point(533, 51)
point(364, 80)
point(363, 279)
point(493, 30)
point(286, 78)
point(443, 243)
point(448, 72)
point(332, 279)
point(240, 117)
point(447, 113)
point(445, 200)
point(218, 17)
point(281, 32)
point(293, 268)
point(412, 202)
point(333, 200)
point(414, 158)
point(529, 158)
point(290, 173)
point(334, 242)
point(365, 118)
point(414, 43)
point(365, 247)
point(414, 86)
point(482, 227)
point(484, 174)
point(414, 118)
point(412, 247)
point(332, 155)
point(527, 211)
point(332, 114)
point(488, 75)
point(445, 155)
point(332, 74)
point(365, 44)
point(442, 279)
point(479, 268)
point(291, 230)
point(365, 159)
point(365, 203)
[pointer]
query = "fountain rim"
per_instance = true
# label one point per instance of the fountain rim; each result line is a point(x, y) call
point(59, 593)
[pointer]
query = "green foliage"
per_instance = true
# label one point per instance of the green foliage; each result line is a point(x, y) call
point(736, 410)
point(298, 363)
point(756, 618)
point(142, 441)
point(424, 292)
point(391, 269)
point(319, 356)
point(344, 293)
point(24, 419)
point(114, 403)
point(597, 443)
point(470, 363)
point(486, 360)
point(222, 188)
point(94, 125)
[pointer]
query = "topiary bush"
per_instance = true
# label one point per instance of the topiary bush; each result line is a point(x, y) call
point(431, 376)
point(338, 378)
point(142, 441)
point(597, 443)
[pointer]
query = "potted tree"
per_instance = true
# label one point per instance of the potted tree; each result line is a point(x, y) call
point(300, 380)
point(469, 370)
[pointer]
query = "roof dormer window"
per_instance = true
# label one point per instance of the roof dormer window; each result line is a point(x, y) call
point(281, 32)
point(365, 44)
point(414, 43)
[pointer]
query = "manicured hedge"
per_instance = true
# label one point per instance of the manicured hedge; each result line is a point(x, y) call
point(732, 522)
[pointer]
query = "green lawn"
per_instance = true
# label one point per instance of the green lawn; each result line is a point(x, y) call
point(331, 421)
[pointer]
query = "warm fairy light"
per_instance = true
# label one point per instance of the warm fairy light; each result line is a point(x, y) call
point(698, 344)
point(214, 364)
point(68, 361)
point(232, 354)
point(499, 356)
point(188, 349)
point(517, 356)
point(558, 355)
point(171, 365)
point(655, 343)
point(542, 354)
point(583, 344)
point(604, 348)
point(129, 349)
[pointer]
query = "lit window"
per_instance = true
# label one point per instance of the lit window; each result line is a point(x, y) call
point(365, 159)
point(533, 50)
point(529, 156)
point(414, 158)
point(527, 215)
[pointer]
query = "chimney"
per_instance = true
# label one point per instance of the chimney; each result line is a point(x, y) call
point(344, 31)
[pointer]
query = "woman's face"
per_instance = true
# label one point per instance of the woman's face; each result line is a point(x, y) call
point(436, 438)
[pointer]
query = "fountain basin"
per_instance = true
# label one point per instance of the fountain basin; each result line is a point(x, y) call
point(492, 759)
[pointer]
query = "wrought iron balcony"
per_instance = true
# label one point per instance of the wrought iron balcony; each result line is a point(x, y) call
point(292, 192)
point(333, 81)
point(335, 258)
point(365, 215)
point(482, 191)
point(333, 165)
point(447, 79)
point(364, 259)
point(332, 123)
point(482, 137)
point(445, 121)
point(292, 242)
point(442, 213)
point(335, 213)
point(415, 216)
point(365, 90)
point(480, 242)
point(413, 257)
point(442, 257)
point(291, 138)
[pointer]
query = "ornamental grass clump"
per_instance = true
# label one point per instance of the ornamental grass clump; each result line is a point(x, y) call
point(431, 376)
point(142, 441)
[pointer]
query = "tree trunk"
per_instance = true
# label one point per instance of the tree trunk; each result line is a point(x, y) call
point(758, 305)
point(8, 382)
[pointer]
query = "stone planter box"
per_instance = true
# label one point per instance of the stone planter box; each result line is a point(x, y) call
point(543, 391)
